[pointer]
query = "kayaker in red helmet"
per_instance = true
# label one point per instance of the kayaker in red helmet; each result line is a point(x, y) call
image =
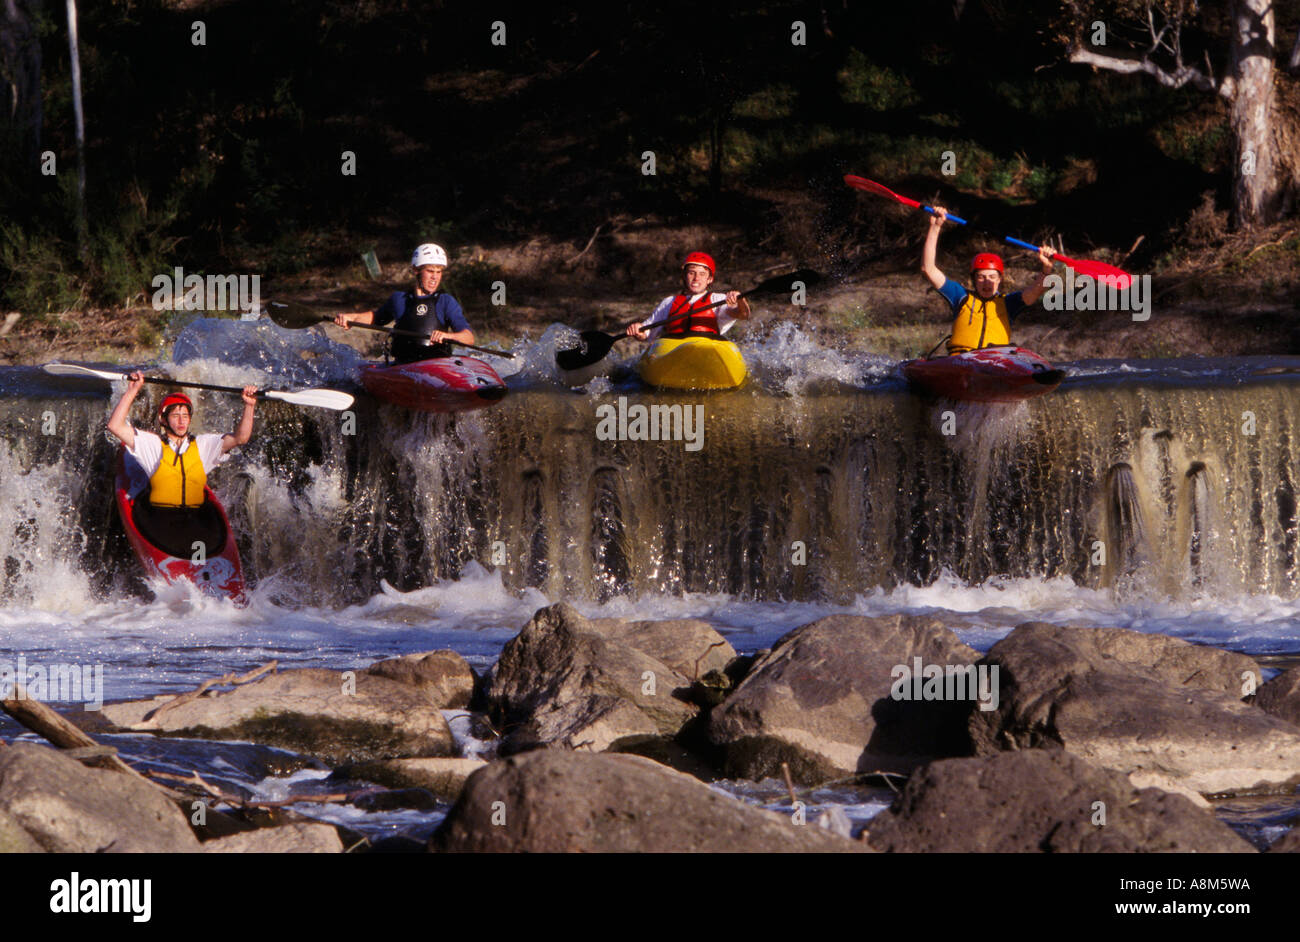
point(170, 469)
point(686, 313)
point(982, 319)
point(423, 309)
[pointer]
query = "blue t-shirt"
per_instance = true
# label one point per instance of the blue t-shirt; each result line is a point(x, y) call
point(446, 310)
point(955, 293)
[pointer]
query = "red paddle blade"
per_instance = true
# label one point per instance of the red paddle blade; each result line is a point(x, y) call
point(1107, 274)
point(871, 186)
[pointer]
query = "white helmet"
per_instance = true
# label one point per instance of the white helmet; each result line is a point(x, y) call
point(429, 254)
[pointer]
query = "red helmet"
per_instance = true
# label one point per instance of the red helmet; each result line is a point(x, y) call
point(701, 258)
point(986, 260)
point(174, 399)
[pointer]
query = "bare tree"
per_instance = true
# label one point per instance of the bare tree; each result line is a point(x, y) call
point(83, 232)
point(1267, 169)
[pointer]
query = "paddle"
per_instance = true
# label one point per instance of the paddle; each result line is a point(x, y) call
point(293, 315)
point(1099, 270)
point(596, 344)
point(321, 398)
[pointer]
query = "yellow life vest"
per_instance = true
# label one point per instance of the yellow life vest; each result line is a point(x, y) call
point(980, 323)
point(180, 478)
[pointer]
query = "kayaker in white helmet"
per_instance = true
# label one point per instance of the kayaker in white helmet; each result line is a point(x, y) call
point(688, 314)
point(424, 309)
point(982, 319)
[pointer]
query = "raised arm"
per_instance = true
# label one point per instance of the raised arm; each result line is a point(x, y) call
point(928, 266)
point(118, 423)
point(244, 431)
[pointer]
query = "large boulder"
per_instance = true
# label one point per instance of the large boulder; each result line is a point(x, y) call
point(443, 777)
point(321, 713)
point(823, 701)
point(444, 677)
point(14, 840)
point(598, 684)
point(554, 801)
point(1280, 697)
point(66, 807)
point(1134, 703)
point(1042, 800)
point(297, 838)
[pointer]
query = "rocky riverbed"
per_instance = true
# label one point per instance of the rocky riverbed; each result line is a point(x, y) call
point(605, 734)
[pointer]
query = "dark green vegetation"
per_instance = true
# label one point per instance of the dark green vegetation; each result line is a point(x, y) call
point(227, 157)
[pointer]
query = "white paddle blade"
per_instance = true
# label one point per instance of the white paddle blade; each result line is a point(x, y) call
point(71, 369)
point(320, 398)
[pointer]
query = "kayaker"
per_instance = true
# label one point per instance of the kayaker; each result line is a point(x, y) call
point(982, 319)
point(688, 314)
point(434, 314)
point(170, 470)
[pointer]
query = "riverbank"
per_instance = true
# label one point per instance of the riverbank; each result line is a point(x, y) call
point(1231, 296)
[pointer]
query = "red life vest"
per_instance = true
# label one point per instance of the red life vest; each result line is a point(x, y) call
point(693, 319)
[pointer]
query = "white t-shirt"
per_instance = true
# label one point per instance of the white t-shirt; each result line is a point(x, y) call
point(725, 317)
point(147, 455)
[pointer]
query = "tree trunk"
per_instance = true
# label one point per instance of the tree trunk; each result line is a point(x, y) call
point(83, 230)
point(1259, 185)
point(1293, 64)
point(20, 61)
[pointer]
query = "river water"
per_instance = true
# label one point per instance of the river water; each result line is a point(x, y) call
point(1152, 495)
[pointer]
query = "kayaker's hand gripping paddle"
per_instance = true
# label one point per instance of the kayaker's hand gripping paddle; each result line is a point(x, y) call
point(596, 343)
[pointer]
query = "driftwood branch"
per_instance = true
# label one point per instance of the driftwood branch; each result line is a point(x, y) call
point(236, 802)
point(44, 721)
point(231, 678)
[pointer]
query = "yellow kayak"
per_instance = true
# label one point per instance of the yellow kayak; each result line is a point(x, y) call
point(692, 363)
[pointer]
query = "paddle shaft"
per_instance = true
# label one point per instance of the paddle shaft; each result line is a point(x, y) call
point(238, 391)
point(1094, 269)
point(686, 314)
point(411, 333)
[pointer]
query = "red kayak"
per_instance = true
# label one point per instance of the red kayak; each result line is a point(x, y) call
point(167, 552)
point(993, 374)
point(443, 384)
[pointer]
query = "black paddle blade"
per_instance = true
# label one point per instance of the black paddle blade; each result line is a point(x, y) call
point(291, 314)
point(595, 344)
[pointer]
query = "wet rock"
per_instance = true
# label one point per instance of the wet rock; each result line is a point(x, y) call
point(689, 646)
point(567, 680)
point(1113, 701)
point(321, 713)
point(66, 807)
point(397, 799)
point(596, 723)
point(13, 839)
point(1177, 662)
point(298, 838)
point(552, 801)
point(1288, 843)
point(821, 701)
point(1042, 800)
point(443, 676)
point(443, 777)
point(1280, 697)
